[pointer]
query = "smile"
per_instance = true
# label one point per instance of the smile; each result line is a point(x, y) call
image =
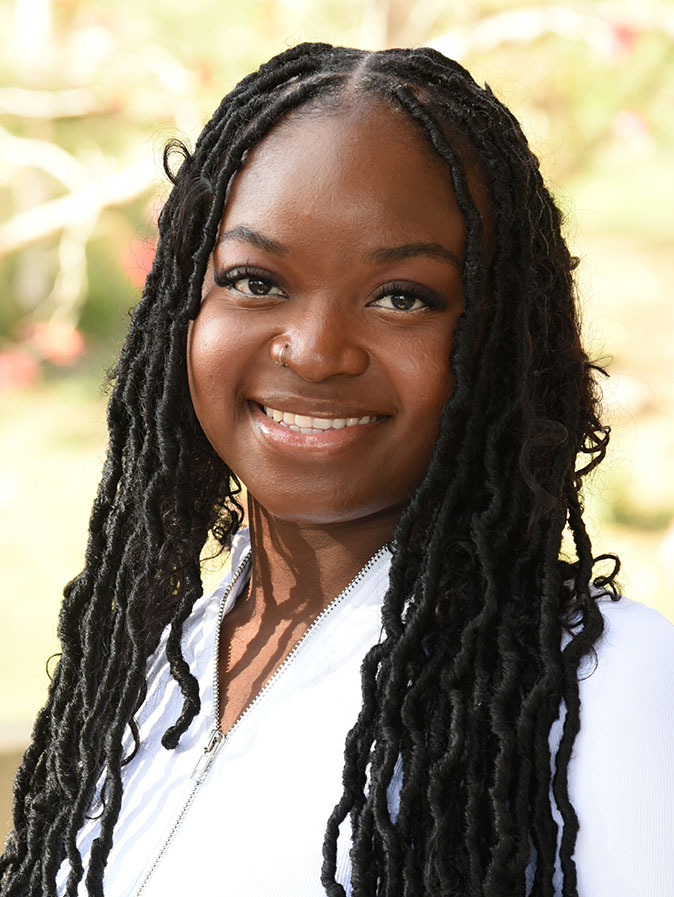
point(302, 423)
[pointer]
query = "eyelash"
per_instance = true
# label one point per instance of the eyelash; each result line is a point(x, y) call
point(227, 279)
point(417, 292)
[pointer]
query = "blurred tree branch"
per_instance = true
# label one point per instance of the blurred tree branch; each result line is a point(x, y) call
point(641, 88)
point(394, 23)
point(155, 86)
point(596, 26)
point(49, 104)
point(78, 207)
point(22, 152)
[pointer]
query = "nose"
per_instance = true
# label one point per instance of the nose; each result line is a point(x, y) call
point(325, 342)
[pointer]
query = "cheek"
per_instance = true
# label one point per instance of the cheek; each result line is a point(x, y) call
point(425, 378)
point(203, 361)
point(424, 385)
point(211, 371)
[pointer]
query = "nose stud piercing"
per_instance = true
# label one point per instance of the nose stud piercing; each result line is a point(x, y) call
point(279, 360)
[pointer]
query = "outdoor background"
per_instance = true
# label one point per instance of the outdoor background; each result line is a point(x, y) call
point(89, 93)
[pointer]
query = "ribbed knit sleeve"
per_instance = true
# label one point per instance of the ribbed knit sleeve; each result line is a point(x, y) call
point(621, 777)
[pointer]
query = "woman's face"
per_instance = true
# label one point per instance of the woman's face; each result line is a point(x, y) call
point(342, 241)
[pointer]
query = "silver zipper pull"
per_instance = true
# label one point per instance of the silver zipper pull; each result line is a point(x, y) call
point(210, 750)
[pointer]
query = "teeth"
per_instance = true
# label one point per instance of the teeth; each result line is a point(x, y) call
point(323, 423)
point(303, 423)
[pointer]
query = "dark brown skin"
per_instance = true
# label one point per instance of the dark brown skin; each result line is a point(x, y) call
point(287, 595)
point(316, 211)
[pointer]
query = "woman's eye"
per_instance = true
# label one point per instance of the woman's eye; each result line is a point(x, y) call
point(400, 302)
point(247, 284)
point(254, 286)
point(408, 296)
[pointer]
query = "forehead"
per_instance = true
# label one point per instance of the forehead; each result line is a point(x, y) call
point(361, 167)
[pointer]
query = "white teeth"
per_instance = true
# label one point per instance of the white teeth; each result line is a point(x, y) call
point(304, 423)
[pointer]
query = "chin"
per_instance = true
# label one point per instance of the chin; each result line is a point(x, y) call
point(304, 513)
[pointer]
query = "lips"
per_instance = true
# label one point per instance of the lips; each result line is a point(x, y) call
point(305, 423)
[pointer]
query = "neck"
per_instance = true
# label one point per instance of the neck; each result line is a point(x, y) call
point(301, 567)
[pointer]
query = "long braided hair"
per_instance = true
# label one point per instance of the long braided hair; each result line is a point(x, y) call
point(470, 673)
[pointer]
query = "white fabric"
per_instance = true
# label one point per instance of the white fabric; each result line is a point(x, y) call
point(255, 827)
point(621, 776)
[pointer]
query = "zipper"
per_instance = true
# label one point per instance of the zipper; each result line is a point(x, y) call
point(216, 737)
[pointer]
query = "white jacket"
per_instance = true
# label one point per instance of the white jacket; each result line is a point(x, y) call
point(254, 826)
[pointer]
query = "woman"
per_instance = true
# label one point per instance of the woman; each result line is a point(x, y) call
point(362, 309)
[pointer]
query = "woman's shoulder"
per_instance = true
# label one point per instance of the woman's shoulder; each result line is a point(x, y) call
point(627, 682)
point(627, 612)
point(621, 777)
point(637, 643)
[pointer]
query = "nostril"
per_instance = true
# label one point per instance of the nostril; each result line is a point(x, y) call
point(314, 359)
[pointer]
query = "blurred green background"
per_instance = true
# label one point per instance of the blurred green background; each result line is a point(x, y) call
point(90, 92)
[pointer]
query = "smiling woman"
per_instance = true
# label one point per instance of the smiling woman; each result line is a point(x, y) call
point(362, 309)
point(364, 322)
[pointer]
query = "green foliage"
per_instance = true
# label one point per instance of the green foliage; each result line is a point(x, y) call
point(110, 295)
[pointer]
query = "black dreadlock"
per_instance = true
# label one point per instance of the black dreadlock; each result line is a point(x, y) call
point(470, 674)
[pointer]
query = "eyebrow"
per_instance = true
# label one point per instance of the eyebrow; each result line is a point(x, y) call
point(248, 235)
point(386, 254)
point(411, 250)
